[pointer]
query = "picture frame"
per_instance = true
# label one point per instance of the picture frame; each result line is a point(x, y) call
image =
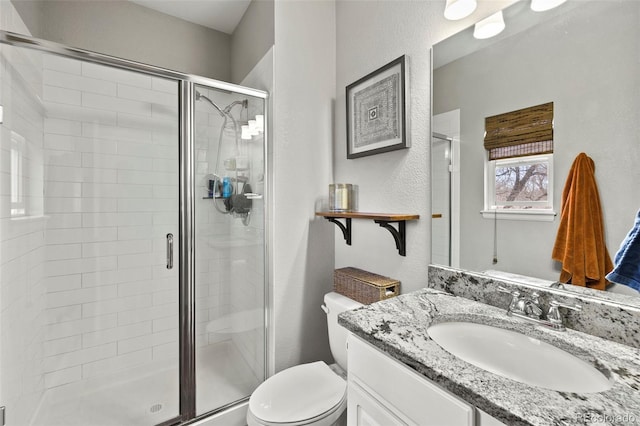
point(377, 113)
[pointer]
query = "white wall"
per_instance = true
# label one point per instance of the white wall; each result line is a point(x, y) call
point(303, 258)
point(369, 35)
point(252, 39)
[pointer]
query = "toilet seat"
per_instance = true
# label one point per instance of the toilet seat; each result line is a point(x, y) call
point(326, 419)
point(299, 395)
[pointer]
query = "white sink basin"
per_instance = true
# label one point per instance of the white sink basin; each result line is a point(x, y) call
point(518, 357)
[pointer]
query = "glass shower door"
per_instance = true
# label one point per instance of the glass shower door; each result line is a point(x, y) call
point(440, 199)
point(90, 201)
point(230, 240)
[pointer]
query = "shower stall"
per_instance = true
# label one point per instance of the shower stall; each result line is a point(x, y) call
point(133, 266)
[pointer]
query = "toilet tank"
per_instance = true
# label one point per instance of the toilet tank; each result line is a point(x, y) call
point(336, 303)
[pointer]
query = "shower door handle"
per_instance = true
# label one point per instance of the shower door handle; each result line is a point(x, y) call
point(169, 251)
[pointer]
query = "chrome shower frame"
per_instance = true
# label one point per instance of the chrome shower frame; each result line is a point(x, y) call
point(186, 251)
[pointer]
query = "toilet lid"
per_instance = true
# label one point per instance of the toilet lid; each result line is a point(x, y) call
point(298, 393)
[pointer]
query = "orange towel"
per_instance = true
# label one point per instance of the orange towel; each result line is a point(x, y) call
point(580, 244)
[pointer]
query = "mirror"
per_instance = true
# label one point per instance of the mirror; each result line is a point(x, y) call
point(584, 56)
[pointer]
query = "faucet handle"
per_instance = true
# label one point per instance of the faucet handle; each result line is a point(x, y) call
point(535, 298)
point(555, 316)
point(575, 307)
point(533, 309)
point(515, 298)
point(514, 293)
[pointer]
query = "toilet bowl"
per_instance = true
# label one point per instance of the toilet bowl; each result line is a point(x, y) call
point(308, 394)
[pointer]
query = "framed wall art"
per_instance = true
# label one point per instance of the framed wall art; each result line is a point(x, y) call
point(377, 111)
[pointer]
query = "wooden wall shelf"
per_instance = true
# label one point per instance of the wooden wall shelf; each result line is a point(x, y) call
point(385, 220)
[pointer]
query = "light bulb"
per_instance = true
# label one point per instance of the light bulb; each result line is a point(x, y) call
point(458, 9)
point(260, 123)
point(253, 128)
point(246, 134)
point(542, 5)
point(489, 27)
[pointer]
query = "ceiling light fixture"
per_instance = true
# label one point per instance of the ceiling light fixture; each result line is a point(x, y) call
point(458, 9)
point(542, 5)
point(489, 27)
point(253, 127)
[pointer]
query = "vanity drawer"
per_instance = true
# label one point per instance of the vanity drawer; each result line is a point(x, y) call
point(404, 391)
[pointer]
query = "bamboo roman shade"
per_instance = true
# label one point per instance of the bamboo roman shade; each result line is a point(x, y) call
point(527, 131)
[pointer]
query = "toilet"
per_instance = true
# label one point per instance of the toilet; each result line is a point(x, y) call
point(308, 394)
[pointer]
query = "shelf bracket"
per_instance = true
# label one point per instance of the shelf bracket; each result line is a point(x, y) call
point(345, 228)
point(399, 235)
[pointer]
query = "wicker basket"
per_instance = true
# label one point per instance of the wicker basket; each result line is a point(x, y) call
point(364, 287)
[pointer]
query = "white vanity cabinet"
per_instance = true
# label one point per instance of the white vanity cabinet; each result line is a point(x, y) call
point(384, 392)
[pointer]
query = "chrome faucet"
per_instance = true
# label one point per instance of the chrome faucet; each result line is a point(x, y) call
point(529, 309)
point(522, 304)
point(532, 307)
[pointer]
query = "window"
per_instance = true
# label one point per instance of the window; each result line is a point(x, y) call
point(518, 184)
point(519, 164)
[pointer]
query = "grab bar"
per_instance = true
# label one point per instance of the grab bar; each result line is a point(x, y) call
point(169, 251)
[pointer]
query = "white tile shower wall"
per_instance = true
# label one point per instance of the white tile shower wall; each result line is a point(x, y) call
point(111, 173)
point(22, 293)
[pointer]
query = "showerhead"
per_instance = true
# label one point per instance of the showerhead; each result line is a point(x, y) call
point(244, 103)
point(227, 110)
point(201, 96)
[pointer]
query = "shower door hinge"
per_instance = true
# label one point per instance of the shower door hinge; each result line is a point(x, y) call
point(2, 409)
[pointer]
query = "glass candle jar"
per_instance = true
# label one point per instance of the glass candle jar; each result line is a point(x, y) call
point(341, 197)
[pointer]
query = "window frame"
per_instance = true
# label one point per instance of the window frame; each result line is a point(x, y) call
point(491, 210)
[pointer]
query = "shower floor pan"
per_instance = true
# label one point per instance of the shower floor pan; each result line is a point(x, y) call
point(150, 397)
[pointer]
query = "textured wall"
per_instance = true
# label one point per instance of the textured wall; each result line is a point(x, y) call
point(252, 38)
point(371, 34)
point(303, 118)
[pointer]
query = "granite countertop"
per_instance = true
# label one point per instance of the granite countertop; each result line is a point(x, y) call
point(398, 326)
